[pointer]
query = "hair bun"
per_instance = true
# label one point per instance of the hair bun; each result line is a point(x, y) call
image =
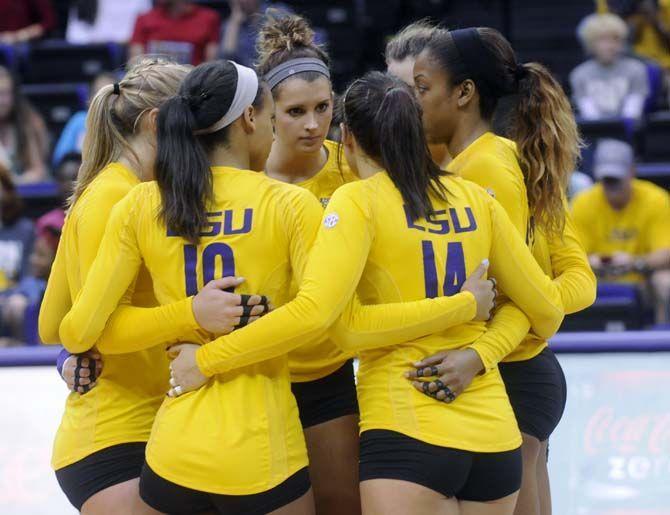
point(283, 32)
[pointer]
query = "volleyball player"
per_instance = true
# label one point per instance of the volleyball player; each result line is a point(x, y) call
point(400, 55)
point(406, 231)
point(461, 77)
point(99, 447)
point(235, 445)
point(322, 376)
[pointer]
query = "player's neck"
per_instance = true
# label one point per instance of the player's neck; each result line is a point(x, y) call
point(286, 165)
point(226, 156)
point(468, 131)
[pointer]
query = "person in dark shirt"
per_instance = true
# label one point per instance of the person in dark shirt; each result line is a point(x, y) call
point(25, 20)
point(179, 29)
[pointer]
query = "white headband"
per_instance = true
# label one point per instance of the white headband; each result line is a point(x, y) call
point(245, 94)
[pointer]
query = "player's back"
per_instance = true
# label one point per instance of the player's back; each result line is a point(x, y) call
point(254, 231)
point(131, 386)
point(414, 259)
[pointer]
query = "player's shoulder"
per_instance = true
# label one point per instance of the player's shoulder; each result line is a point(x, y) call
point(109, 186)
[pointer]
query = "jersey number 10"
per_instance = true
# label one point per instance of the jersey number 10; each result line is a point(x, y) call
point(454, 276)
point(209, 255)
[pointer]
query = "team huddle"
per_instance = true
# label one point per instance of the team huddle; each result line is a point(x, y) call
point(223, 264)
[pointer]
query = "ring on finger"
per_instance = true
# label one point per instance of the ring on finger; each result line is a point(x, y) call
point(178, 390)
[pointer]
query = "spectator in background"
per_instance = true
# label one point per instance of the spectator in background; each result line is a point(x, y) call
point(66, 175)
point(240, 30)
point(71, 138)
point(23, 134)
point(624, 224)
point(25, 20)
point(649, 21)
point(610, 84)
point(26, 297)
point(103, 21)
point(178, 29)
point(16, 233)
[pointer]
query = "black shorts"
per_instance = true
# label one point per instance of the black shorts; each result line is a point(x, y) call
point(102, 469)
point(537, 392)
point(328, 398)
point(168, 497)
point(465, 475)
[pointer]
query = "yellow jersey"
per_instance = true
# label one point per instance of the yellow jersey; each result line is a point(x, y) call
point(649, 44)
point(491, 161)
point(317, 360)
point(131, 387)
point(260, 229)
point(368, 242)
point(640, 228)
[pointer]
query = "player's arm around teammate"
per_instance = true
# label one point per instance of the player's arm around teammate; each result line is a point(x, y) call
point(460, 76)
point(99, 447)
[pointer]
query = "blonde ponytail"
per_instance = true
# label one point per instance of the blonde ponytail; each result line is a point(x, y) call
point(113, 117)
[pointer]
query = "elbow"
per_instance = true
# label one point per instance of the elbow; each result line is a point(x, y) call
point(74, 341)
point(549, 326)
point(48, 332)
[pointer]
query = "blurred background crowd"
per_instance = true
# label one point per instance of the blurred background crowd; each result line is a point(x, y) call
point(612, 56)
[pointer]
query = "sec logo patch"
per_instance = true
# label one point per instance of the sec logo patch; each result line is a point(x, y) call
point(331, 220)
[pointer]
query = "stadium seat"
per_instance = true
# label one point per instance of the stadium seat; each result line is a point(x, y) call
point(655, 76)
point(8, 57)
point(57, 102)
point(457, 14)
point(553, 44)
point(615, 128)
point(658, 173)
point(656, 137)
point(618, 307)
point(59, 61)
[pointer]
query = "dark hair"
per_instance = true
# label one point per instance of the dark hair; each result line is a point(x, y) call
point(541, 122)
point(87, 10)
point(11, 204)
point(284, 37)
point(182, 164)
point(409, 42)
point(23, 117)
point(384, 116)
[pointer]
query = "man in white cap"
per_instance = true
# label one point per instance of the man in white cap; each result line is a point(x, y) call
point(624, 224)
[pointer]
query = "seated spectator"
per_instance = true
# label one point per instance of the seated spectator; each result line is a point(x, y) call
point(178, 29)
point(649, 22)
point(16, 233)
point(23, 133)
point(240, 30)
point(66, 175)
point(30, 290)
point(624, 224)
point(610, 84)
point(103, 21)
point(25, 20)
point(71, 138)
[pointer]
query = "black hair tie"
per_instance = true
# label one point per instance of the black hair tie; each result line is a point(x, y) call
point(117, 89)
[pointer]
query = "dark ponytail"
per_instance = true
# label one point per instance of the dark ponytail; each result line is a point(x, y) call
point(182, 165)
point(539, 120)
point(182, 170)
point(384, 116)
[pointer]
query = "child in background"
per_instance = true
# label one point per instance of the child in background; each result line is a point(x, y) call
point(16, 303)
point(609, 84)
